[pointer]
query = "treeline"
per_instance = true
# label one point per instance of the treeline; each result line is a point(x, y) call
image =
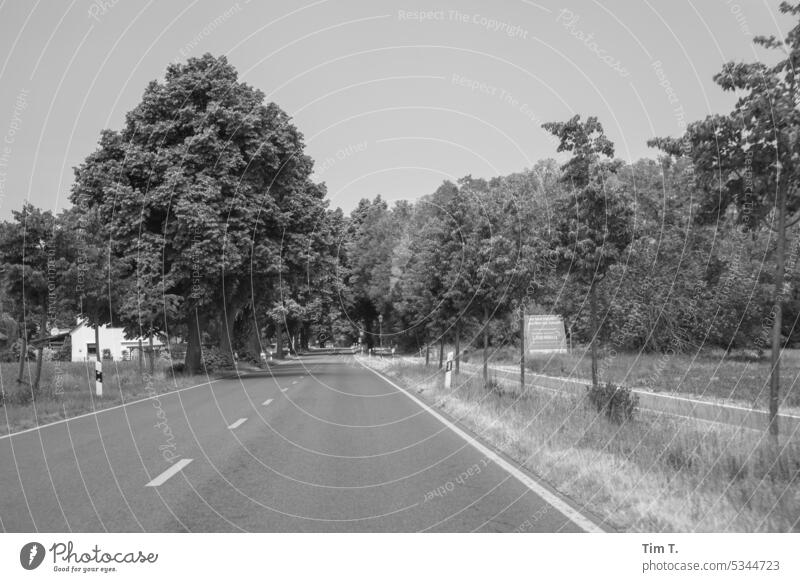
point(698, 248)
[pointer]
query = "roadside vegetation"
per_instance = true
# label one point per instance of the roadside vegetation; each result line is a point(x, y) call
point(68, 389)
point(651, 473)
point(734, 378)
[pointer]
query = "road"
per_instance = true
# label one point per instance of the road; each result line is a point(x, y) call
point(320, 444)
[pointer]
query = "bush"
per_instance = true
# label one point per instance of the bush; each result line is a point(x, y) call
point(178, 368)
point(616, 402)
point(548, 364)
point(20, 397)
point(213, 359)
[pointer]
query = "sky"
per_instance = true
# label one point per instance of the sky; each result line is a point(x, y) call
point(393, 97)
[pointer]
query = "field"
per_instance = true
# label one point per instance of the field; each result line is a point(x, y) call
point(654, 473)
point(67, 389)
point(709, 375)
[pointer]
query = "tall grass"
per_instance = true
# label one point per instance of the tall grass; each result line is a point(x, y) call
point(713, 375)
point(653, 473)
point(68, 389)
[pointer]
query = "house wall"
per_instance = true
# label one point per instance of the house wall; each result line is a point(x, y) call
point(111, 338)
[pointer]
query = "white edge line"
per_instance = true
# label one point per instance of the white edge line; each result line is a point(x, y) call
point(267, 402)
point(238, 423)
point(110, 408)
point(567, 510)
point(162, 478)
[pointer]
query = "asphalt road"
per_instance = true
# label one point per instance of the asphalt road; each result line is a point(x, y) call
point(316, 445)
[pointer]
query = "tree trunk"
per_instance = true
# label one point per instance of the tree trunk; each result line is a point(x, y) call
point(193, 349)
point(522, 347)
point(38, 376)
point(458, 348)
point(97, 353)
point(226, 321)
point(775, 355)
point(23, 355)
point(441, 352)
point(279, 340)
point(151, 355)
point(427, 353)
point(254, 343)
point(141, 359)
point(485, 346)
point(593, 310)
point(40, 352)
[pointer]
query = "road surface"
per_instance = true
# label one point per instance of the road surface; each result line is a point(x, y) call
point(314, 445)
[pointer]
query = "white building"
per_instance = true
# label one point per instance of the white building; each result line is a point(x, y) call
point(112, 339)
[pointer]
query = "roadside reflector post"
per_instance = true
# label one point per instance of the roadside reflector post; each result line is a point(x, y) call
point(448, 371)
point(98, 377)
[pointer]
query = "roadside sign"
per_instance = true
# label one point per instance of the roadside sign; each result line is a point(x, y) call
point(545, 334)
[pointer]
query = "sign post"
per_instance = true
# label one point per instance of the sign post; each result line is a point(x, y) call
point(448, 371)
point(98, 377)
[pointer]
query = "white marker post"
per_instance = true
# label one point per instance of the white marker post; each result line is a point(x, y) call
point(98, 377)
point(448, 370)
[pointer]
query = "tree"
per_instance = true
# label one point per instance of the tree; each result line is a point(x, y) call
point(34, 251)
point(593, 227)
point(748, 164)
point(197, 182)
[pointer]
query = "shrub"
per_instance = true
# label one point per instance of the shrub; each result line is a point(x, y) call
point(214, 359)
point(544, 364)
point(616, 402)
point(20, 397)
point(493, 386)
point(178, 368)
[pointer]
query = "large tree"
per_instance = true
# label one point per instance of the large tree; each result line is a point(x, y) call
point(196, 183)
point(747, 164)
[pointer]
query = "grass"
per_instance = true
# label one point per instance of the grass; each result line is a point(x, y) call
point(67, 390)
point(651, 474)
point(710, 374)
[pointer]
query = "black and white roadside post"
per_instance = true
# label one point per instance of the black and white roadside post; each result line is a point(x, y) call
point(98, 377)
point(448, 371)
point(380, 331)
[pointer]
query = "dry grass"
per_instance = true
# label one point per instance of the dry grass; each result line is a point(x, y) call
point(67, 390)
point(655, 473)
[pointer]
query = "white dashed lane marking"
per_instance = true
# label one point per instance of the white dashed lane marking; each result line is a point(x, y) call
point(266, 402)
point(238, 423)
point(161, 479)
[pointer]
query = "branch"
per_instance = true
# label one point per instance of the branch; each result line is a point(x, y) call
point(793, 221)
point(768, 225)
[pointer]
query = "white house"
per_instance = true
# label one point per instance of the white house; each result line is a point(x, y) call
point(111, 338)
